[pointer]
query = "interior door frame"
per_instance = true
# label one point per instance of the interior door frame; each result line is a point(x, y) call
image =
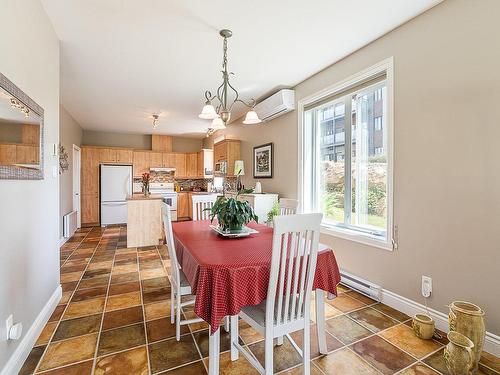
point(77, 175)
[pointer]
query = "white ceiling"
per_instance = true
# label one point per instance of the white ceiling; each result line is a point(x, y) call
point(122, 61)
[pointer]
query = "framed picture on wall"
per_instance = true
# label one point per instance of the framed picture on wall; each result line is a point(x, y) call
point(263, 161)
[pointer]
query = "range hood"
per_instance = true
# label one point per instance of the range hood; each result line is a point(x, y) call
point(162, 169)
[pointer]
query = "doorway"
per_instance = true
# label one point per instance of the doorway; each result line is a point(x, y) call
point(76, 184)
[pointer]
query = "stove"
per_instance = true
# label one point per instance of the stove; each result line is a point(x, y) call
point(166, 189)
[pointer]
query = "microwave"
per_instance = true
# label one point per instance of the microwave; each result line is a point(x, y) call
point(220, 168)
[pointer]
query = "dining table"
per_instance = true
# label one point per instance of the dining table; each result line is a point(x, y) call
point(227, 274)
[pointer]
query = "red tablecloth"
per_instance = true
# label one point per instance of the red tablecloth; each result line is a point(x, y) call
point(228, 274)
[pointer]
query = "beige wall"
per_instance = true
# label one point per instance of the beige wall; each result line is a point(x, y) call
point(29, 210)
point(446, 173)
point(140, 141)
point(70, 133)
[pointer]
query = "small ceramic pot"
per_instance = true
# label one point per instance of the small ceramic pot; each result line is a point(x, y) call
point(423, 326)
point(458, 354)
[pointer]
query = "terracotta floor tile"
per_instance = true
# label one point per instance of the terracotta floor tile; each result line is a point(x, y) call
point(122, 301)
point(106, 265)
point(82, 308)
point(85, 294)
point(157, 295)
point(68, 287)
point(331, 342)
point(65, 298)
point(56, 315)
point(361, 297)
point(128, 268)
point(161, 329)
point(373, 319)
point(393, 313)
point(284, 356)
point(248, 334)
point(228, 367)
point(171, 353)
point(152, 273)
point(330, 311)
point(71, 276)
point(190, 314)
point(419, 369)
point(77, 327)
point(133, 286)
point(120, 318)
point(490, 361)
point(83, 368)
point(383, 356)
point(31, 362)
point(195, 368)
point(404, 338)
point(133, 361)
point(95, 273)
point(94, 282)
point(346, 330)
point(65, 352)
point(121, 338)
point(344, 362)
point(201, 338)
point(124, 277)
point(150, 264)
point(155, 283)
point(341, 288)
point(73, 268)
point(46, 333)
point(345, 303)
point(298, 371)
point(157, 310)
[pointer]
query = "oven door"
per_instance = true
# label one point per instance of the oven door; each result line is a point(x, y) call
point(171, 200)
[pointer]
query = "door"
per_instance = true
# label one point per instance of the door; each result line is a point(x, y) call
point(76, 184)
point(116, 183)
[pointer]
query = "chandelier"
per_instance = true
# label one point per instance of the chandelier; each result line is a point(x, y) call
point(221, 113)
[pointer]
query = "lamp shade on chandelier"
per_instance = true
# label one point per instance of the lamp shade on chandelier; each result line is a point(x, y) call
point(218, 106)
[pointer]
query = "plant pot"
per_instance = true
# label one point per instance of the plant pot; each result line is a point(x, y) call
point(468, 319)
point(458, 354)
point(423, 326)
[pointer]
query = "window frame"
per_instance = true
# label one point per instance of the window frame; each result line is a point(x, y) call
point(306, 189)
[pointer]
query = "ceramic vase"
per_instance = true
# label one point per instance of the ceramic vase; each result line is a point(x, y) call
point(468, 319)
point(459, 354)
point(423, 326)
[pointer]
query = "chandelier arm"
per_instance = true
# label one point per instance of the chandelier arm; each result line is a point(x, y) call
point(251, 103)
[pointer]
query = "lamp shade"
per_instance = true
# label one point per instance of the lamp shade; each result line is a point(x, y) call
point(208, 112)
point(239, 168)
point(251, 118)
point(217, 123)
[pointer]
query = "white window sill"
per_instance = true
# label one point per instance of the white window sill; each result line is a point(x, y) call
point(355, 236)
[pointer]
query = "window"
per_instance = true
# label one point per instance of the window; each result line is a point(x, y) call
point(351, 182)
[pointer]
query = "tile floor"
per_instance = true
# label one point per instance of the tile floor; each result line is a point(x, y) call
point(113, 318)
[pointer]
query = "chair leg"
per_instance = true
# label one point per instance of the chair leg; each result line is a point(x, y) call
point(178, 317)
point(227, 324)
point(172, 306)
point(306, 350)
point(320, 321)
point(234, 337)
point(268, 342)
point(279, 340)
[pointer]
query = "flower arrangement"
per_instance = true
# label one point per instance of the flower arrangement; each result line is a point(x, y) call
point(145, 183)
point(232, 213)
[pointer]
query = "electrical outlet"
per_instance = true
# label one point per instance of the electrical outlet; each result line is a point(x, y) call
point(426, 286)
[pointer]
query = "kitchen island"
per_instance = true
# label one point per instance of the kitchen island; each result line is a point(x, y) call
point(144, 220)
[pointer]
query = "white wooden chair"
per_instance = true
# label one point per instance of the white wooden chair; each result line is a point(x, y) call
point(287, 307)
point(200, 203)
point(288, 206)
point(179, 285)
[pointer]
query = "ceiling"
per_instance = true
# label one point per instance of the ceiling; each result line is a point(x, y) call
point(122, 61)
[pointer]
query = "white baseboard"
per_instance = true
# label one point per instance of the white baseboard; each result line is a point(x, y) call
point(63, 240)
point(22, 351)
point(409, 307)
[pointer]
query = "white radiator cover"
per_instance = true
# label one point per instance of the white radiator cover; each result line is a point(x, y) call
point(69, 224)
point(361, 285)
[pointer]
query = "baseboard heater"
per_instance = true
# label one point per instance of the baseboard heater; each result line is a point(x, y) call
point(69, 224)
point(365, 287)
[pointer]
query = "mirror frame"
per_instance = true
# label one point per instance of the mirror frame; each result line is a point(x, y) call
point(12, 172)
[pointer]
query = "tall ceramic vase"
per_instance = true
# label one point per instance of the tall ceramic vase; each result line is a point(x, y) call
point(468, 319)
point(459, 354)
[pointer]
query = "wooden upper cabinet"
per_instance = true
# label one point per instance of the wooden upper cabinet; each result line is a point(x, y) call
point(228, 150)
point(30, 134)
point(161, 143)
point(107, 155)
point(7, 154)
point(205, 163)
point(90, 170)
point(168, 159)
point(156, 159)
point(180, 165)
point(220, 151)
point(124, 156)
point(141, 162)
point(192, 165)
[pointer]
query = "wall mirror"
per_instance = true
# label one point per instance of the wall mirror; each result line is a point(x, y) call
point(21, 134)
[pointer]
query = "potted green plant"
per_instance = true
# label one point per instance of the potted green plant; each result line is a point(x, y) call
point(233, 213)
point(271, 214)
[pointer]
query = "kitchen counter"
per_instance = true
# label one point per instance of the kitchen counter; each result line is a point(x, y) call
point(141, 196)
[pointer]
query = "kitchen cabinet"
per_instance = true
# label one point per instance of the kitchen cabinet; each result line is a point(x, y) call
point(27, 154)
point(161, 143)
point(192, 165)
point(7, 154)
point(90, 170)
point(141, 162)
point(107, 155)
point(168, 159)
point(228, 150)
point(156, 159)
point(205, 163)
point(180, 165)
point(90, 209)
point(183, 205)
point(124, 156)
point(219, 151)
point(30, 134)
point(261, 203)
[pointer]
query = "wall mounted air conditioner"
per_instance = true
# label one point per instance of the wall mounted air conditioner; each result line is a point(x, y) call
point(276, 105)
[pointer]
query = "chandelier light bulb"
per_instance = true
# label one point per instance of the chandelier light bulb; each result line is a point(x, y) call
point(252, 118)
point(217, 123)
point(156, 122)
point(208, 112)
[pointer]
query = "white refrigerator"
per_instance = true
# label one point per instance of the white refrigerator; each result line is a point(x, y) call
point(116, 186)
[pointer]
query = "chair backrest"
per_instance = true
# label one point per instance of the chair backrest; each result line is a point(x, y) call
point(167, 225)
point(295, 250)
point(202, 202)
point(288, 206)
